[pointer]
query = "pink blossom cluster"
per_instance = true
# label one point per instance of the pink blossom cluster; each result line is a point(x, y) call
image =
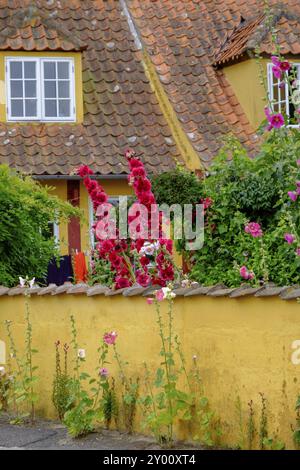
point(279, 67)
point(254, 229)
point(245, 274)
point(275, 120)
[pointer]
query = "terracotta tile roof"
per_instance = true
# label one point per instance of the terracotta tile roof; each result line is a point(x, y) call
point(120, 108)
point(181, 37)
point(248, 34)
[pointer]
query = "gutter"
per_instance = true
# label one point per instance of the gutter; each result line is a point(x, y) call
point(76, 177)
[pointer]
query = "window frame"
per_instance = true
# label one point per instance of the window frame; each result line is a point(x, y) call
point(40, 89)
point(280, 102)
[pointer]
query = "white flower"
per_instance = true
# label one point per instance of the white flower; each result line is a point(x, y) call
point(2, 371)
point(31, 283)
point(22, 282)
point(168, 293)
point(81, 353)
point(185, 283)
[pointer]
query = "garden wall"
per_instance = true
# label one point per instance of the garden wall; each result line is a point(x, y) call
point(244, 346)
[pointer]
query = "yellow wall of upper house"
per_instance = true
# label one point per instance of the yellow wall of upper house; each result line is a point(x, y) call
point(245, 79)
point(78, 80)
point(244, 346)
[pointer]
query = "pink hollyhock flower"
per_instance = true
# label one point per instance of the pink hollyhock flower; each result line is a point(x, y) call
point(245, 274)
point(275, 120)
point(110, 338)
point(289, 237)
point(103, 372)
point(254, 229)
point(281, 85)
point(159, 295)
point(277, 72)
point(150, 300)
point(275, 60)
point(292, 195)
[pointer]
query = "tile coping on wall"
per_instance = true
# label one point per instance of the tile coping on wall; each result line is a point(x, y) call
point(220, 290)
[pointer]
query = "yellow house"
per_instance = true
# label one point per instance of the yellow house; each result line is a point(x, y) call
point(82, 81)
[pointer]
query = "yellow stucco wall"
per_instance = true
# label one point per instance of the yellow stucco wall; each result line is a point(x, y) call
point(244, 346)
point(244, 77)
point(78, 80)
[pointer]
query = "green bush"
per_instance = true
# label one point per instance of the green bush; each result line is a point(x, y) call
point(244, 189)
point(26, 208)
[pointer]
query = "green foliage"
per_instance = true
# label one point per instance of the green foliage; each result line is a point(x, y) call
point(178, 186)
point(26, 208)
point(100, 272)
point(296, 434)
point(5, 387)
point(22, 395)
point(242, 190)
point(63, 394)
point(110, 404)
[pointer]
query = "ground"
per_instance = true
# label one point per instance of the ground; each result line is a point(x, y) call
point(51, 436)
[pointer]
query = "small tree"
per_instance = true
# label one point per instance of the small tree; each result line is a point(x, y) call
point(26, 208)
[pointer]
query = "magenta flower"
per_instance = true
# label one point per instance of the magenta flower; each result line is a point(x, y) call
point(277, 72)
point(275, 60)
point(275, 120)
point(289, 237)
point(292, 195)
point(150, 301)
point(110, 338)
point(284, 66)
point(297, 251)
point(103, 372)
point(254, 229)
point(245, 274)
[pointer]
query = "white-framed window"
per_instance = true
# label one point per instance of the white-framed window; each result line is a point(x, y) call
point(281, 94)
point(40, 89)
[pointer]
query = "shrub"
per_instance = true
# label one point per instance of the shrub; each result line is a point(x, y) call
point(26, 208)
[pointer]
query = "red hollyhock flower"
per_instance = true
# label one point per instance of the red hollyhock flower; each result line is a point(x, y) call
point(143, 279)
point(122, 282)
point(84, 170)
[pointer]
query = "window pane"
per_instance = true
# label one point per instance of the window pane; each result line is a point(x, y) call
point(64, 108)
point(29, 69)
point(16, 69)
point(30, 88)
point(63, 69)
point(30, 108)
point(50, 108)
point(16, 88)
point(63, 89)
point(17, 108)
point(49, 70)
point(50, 89)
